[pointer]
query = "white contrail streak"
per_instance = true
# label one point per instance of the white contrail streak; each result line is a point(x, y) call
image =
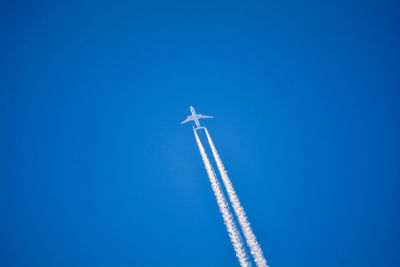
point(251, 240)
point(223, 207)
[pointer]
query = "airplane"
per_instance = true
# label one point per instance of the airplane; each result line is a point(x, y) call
point(196, 117)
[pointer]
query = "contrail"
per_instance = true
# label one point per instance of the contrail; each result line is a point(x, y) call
point(251, 240)
point(223, 207)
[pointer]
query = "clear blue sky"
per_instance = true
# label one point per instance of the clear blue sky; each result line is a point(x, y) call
point(95, 169)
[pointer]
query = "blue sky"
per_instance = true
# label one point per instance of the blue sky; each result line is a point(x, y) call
point(95, 169)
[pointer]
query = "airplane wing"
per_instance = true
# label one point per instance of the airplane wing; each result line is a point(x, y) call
point(189, 118)
point(201, 116)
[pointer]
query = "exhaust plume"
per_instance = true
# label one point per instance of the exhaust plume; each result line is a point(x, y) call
point(251, 240)
point(223, 207)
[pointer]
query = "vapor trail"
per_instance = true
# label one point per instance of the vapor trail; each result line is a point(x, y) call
point(251, 240)
point(223, 207)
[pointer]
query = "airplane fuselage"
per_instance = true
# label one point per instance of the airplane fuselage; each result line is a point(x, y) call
point(196, 120)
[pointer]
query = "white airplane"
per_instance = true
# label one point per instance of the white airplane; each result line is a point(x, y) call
point(196, 117)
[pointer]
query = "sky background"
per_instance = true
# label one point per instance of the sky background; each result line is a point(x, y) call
point(95, 169)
